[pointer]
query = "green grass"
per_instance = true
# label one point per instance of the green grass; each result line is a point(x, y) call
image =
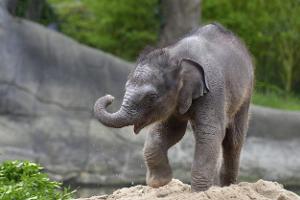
point(274, 100)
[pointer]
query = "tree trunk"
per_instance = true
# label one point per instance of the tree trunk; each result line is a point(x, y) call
point(178, 18)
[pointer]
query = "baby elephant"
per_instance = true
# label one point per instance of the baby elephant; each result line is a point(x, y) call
point(206, 79)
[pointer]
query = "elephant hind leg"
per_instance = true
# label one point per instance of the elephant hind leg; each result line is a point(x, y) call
point(160, 138)
point(232, 145)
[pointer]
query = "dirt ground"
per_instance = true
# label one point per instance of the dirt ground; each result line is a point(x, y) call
point(176, 190)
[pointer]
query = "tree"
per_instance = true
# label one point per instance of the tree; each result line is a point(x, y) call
point(35, 10)
point(286, 37)
point(178, 17)
point(121, 27)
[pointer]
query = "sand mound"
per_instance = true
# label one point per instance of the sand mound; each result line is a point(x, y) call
point(177, 190)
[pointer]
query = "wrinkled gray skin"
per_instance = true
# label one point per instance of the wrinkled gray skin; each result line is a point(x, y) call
point(206, 79)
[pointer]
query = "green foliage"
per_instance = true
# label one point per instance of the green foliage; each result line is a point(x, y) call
point(40, 12)
point(120, 27)
point(22, 8)
point(271, 29)
point(25, 181)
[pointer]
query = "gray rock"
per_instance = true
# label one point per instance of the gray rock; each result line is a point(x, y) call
point(48, 85)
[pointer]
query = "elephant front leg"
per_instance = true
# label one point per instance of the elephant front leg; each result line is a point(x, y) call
point(206, 157)
point(161, 137)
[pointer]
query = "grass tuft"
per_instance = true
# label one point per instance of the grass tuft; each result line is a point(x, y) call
point(273, 100)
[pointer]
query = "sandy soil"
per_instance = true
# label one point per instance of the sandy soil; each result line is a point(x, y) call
point(176, 190)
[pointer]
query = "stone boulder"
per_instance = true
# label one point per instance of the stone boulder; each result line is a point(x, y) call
point(48, 85)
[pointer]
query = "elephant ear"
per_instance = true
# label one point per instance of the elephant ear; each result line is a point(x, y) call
point(193, 83)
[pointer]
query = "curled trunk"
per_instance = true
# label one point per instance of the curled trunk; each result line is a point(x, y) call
point(118, 119)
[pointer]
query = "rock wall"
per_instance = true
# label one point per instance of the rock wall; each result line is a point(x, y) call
point(48, 85)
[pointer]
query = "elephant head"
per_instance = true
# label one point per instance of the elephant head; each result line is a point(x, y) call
point(159, 86)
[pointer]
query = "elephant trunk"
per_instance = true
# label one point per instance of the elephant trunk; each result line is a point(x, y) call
point(118, 119)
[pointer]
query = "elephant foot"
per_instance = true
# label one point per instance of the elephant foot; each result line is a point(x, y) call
point(200, 187)
point(156, 180)
point(200, 184)
point(226, 181)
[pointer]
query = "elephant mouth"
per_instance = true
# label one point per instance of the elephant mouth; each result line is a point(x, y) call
point(137, 128)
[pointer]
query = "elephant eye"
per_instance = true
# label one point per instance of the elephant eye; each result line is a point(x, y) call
point(151, 96)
